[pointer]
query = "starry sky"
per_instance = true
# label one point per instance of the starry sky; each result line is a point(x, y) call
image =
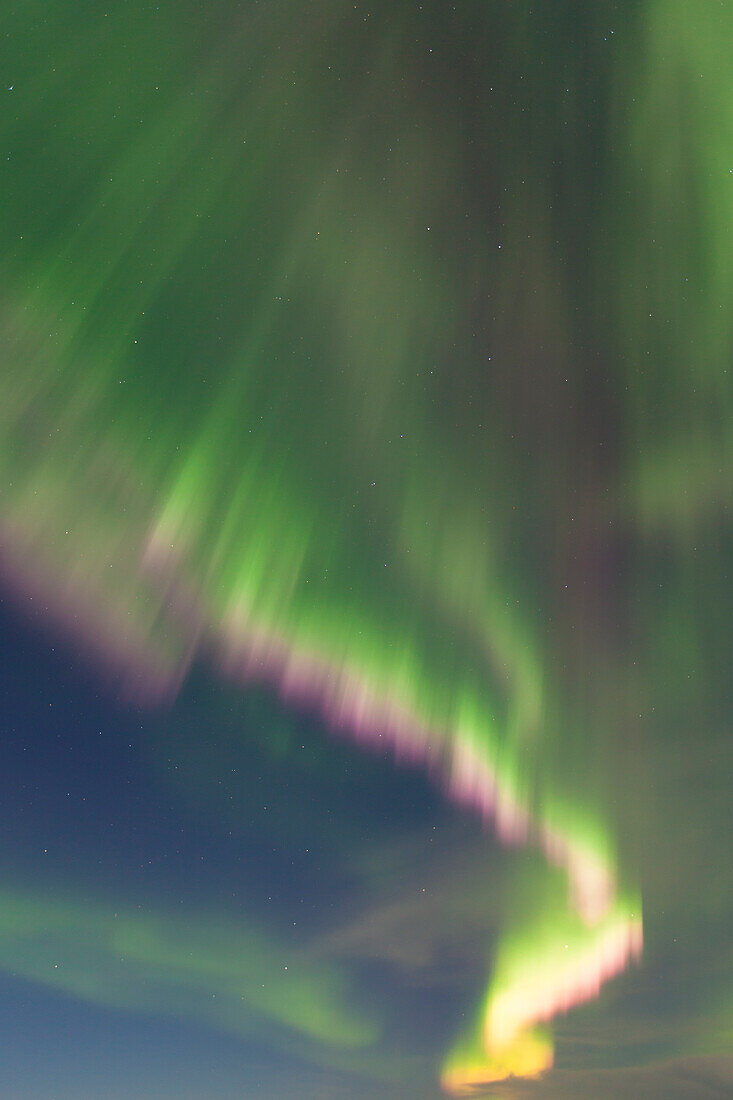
point(365, 479)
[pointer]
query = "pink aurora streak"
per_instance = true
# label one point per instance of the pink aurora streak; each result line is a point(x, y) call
point(343, 695)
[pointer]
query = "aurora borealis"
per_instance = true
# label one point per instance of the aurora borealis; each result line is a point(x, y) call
point(365, 474)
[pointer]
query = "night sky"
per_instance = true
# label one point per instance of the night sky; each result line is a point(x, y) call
point(366, 466)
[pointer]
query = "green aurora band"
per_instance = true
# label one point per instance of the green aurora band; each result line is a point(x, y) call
point(276, 392)
point(200, 967)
